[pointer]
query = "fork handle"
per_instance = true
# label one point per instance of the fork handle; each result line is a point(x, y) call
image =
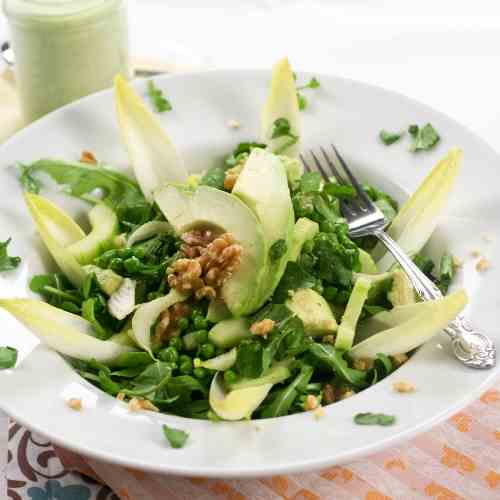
point(471, 347)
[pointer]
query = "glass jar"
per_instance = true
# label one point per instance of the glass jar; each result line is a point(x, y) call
point(66, 49)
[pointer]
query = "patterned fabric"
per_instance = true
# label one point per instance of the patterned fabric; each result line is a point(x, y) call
point(457, 460)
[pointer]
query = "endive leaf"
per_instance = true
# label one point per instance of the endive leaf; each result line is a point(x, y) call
point(237, 404)
point(419, 216)
point(426, 322)
point(151, 152)
point(146, 315)
point(57, 230)
point(147, 230)
point(219, 363)
point(281, 103)
point(62, 331)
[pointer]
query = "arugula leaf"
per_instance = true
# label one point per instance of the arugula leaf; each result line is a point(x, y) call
point(89, 312)
point(389, 138)
point(57, 291)
point(374, 419)
point(7, 263)
point(249, 361)
point(446, 273)
point(160, 103)
point(341, 191)
point(107, 384)
point(184, 385)
point(8, 357)
point(151, 380)
point(277, 249)
point(294, 277)
point(82, 180)
point(282, 128)
point(284, 398)
point(133, 359)
point(335, 360)
point(176, 437)
point(28, 182)
point(425, 138)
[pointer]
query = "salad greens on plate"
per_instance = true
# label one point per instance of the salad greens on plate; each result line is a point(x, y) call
point(235, 293)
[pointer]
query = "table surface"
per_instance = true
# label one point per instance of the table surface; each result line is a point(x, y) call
point(444, 53)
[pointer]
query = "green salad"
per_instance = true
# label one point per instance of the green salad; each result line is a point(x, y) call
point(232, 294)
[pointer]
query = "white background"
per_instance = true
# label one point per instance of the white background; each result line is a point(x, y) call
point(445, 53)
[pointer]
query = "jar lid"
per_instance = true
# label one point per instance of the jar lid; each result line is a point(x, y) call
point(57, 10)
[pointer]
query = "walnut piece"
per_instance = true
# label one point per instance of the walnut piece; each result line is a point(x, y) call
point(75, 404)
point(262, 327)
point(399, 359)
point(363, 364)
point(403, 387)
point(88, 157)
point(328, 394)
point(311, 402)
point(211, 261)
point(137, 404)
point(319, 413)
point(483, 264)
point(168, 326)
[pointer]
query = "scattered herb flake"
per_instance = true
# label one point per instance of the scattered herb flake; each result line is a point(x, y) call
point(7, 263)
point(176, 437)
point(374, 419)
point(28, 182)
point(313, 83)
point(446, 272)
point(389, 138)
point(302, 101)
point(413, 130)
point(160, 103)
point(425, 138)
point(8, 357)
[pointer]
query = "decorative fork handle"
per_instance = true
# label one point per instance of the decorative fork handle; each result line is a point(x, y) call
point(471, 347)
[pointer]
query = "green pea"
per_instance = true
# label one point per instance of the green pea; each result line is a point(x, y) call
point(184, 358)
point(186, 367)
point(230, 377)
point(199, 372)
point(116, 264)
point(183, 323)
point(327, 226)
point(169, 355)
point(207, 351)
point(140, 252)
point(176, 342)
point(132, 264)
point(200, 323)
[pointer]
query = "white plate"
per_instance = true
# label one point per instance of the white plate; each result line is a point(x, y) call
point(351, 114)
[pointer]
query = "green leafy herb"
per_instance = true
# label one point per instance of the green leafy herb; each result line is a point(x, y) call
point(446, 272)
point(160, 103)
point(302, 101)
point(425, 264)
point(413, 130)
point(310, 182)
point(83, 181)
point(249, 362)
point(374, 419)
point(281, 128)
point(241, 152)
point(214, 177)
point(284, 398)
point(389, 138)
point(334, 359)
point(342, 191)
point(277, 250)
point(425, 138)
point(28, 182)
point(7, 263)
point(176, 437)
point(151, 380)
point(295, 277)
point(8, 357)
point(90, 309)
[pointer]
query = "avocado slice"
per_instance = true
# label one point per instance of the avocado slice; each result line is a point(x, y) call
point(186, 209)
point(402, 292)
point(347, 328)
point(304, 230)
point(262, 185)
point(313, 310)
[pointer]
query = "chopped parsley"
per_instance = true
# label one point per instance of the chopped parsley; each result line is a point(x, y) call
point(8, 357)
point(389, 138)
point(313, 83)
point(160, 103)
point(424, 138)
point(374, 419)
point(176, 437)
point(281, 128)
point(277, 250)
point(7, 263)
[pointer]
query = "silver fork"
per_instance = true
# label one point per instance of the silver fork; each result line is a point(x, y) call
point(364, 218)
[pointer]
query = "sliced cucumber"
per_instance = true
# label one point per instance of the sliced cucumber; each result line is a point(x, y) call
point(304, 230)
